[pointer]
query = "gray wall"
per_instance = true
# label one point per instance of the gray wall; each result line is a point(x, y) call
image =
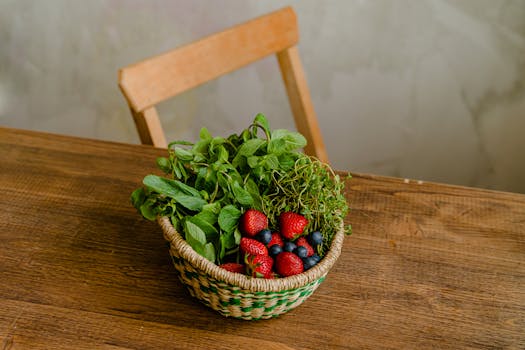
point(424, 89)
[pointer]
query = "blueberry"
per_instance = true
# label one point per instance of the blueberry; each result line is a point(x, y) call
point(316, 257)
point(289, 247)
point(264, 236)
point(309, 262)
point(275, 250)
point(315, 238)
point(301, 252)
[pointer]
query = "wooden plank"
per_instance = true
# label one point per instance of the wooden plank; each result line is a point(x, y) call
point(47, 327)
point(428, 265)
point(149, 127)
point(301, 102)
point(153, 80)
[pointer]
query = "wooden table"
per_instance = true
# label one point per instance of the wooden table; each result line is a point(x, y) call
point(428, 265)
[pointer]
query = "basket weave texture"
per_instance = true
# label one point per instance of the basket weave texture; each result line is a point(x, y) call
point(241, 296)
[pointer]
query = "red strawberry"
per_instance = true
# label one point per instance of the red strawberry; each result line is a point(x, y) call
point(253, 221)
point(302, 242)
point(233, 267)
point(276, 239)
point(288, 264)
point(292, 225)
point(259, 266)
point(252, 247)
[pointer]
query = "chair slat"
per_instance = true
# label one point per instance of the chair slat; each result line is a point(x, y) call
point(159, 78)
point(156, 79)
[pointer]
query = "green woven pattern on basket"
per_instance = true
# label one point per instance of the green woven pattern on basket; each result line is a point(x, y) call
point(233, 301)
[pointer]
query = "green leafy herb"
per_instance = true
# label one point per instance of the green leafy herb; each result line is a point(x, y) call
point(210, 183)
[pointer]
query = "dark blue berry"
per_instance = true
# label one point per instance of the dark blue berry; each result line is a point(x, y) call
point(315, 238)
point(275, 250)
point(316, 257)
point(301, 252)
point(309, 262)
point(264, 236)
point(289, 247)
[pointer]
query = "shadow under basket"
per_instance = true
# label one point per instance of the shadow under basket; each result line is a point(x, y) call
point(240, 296)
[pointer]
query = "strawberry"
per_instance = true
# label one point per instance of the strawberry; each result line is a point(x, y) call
point(276, 239)
point(302, 242)
point(233, 267)
point(259, 266)
point(292, 225)
point(253, 221)
point(252, 247)
point(288, 264)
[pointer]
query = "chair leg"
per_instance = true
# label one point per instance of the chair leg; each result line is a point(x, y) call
point(149, 128)
point(301, 103)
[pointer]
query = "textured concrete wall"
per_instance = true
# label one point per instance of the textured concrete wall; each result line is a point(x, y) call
point(425, 89)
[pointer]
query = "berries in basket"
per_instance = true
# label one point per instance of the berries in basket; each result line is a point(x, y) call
point(254, 225)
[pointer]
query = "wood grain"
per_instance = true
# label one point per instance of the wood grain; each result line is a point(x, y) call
point(428, 265)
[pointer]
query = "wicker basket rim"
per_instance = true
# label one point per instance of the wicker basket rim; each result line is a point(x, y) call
point(246, 282)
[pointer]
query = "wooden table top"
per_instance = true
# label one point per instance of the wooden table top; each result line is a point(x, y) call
point(427, 266)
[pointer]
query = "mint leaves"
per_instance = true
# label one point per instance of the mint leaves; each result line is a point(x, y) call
point(209, 183)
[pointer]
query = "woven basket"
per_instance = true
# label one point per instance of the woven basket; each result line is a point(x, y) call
point(241, 296)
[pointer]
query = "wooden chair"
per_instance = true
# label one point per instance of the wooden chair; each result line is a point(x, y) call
point(156, 79)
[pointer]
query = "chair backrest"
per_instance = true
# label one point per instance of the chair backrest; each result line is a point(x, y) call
point(156, 79)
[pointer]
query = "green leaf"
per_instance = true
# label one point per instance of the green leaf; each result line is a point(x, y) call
point(253, 161)
point(286, 161)
point(250, 147)
point(276, 146)
point(181, 193)
point(229, 218)
point(190, 202)
point(214, 208)
point(209, 252)
point(246, 135)
point(237, 235)
point(223, 181)
point(183, 154)
point(253, 189)
point(222, 154)
point(227, 240)
point(138, 197)
point(148, 211)
point(284, 141)
point(207, 215)
point(262, 121)
point(295, 140)
point(209, 230)
point(178, 142)
point(204, 134)
point(206, 179)
point(195, 236)
point(185, 188)
point(164, 164)
point(176, 223)
point(215, 143)
point(177, 172)
point(271, 161)
point(201, 147)
point(241, 195)
point(169, 187)
point(198, 158)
